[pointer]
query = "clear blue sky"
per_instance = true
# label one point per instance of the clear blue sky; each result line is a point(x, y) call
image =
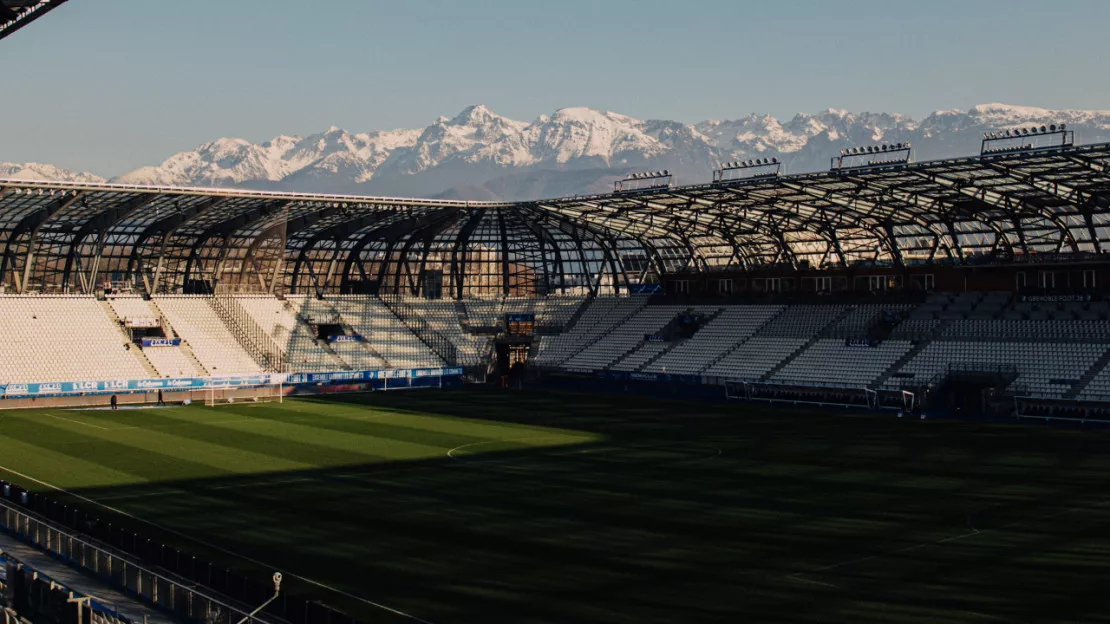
point(108, 85)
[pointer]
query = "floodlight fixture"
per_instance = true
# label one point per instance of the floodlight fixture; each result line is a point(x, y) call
point(1036, 137)
point(892, 155)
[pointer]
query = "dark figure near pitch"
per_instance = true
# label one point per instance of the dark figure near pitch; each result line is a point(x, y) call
point(115, 402)
point(161, 401)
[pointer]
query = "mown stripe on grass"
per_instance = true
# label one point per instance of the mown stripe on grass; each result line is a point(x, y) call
point(135, 459)
point(395, 429)
point(166, 442)
point(57, 465)
point(301, 442)
point(479, 430)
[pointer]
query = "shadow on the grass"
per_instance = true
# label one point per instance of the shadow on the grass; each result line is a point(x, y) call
point(678, 513)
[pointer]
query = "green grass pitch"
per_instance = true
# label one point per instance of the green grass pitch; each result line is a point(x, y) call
point(482, 506)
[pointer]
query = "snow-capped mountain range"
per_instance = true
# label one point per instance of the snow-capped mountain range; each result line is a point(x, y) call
point(479, 154)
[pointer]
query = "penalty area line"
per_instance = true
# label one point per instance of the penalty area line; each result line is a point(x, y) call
point(218, 548)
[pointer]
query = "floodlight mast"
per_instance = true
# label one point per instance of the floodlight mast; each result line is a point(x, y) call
point(1026, 140)
point(643, 181)
point(747, 170)
point(873, 156)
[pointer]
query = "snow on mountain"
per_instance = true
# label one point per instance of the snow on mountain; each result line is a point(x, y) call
point(487, 153)
point(229, 162)
point(39, 171)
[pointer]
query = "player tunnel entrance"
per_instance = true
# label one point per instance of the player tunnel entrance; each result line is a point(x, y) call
point(512, 357)
point(974, 390)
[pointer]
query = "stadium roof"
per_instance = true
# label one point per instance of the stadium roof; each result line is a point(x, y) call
point(15, 14)
point(60, 236)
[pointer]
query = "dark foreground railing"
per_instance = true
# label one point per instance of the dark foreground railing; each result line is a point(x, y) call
point(187, 587)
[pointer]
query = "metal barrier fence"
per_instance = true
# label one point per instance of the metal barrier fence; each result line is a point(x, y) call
point(28, 596)
point(183, 599)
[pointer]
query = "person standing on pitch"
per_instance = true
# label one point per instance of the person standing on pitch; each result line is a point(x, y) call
point(115, 402)
point(161, 401)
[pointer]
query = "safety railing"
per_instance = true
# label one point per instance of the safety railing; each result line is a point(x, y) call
point(260, 345)
point(176, 595)
point(441, 345)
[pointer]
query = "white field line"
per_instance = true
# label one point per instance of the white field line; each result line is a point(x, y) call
point(218, 548)
point(451, 453)
point(78, 422)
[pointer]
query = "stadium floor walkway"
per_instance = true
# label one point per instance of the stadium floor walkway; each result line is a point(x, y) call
point(78, 582)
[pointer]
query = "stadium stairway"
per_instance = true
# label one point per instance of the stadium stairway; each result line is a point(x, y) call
point(621, 309)
point(743, 340)
point(188, 351)
point(918, 346)
point(242, 327)
point(808, 343)
point(139, 355)
point(709, 318)
point(366, 346)
point(415, 323)
point(1081, 386)
point(578, 312)
point(906, 358)
point(322, 344)
point(460, 311)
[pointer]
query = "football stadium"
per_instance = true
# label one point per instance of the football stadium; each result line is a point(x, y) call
point(878, 391)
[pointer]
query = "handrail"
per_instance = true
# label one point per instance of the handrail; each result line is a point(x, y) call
point(259, 344)
point(436, 341)
point(27, 526)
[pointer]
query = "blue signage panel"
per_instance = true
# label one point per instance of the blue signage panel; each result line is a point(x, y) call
point(520, 318)
point(161, 342)
point(630, 376)
point(345, 338)
point(14, 390)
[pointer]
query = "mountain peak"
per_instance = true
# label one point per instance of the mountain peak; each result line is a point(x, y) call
point(40, 171)
point(586, 115)
point(475, 114)
point(477, 146)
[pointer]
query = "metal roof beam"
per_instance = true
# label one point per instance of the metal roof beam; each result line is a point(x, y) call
point(1013, 207)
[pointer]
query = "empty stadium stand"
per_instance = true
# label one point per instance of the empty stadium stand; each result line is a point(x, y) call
point(599, 315)
point(385, 334)
point(731, 326)
point(831, 362)
point(1053, 350)
point(62, 338)
point(300, 346)
point(211, 340)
